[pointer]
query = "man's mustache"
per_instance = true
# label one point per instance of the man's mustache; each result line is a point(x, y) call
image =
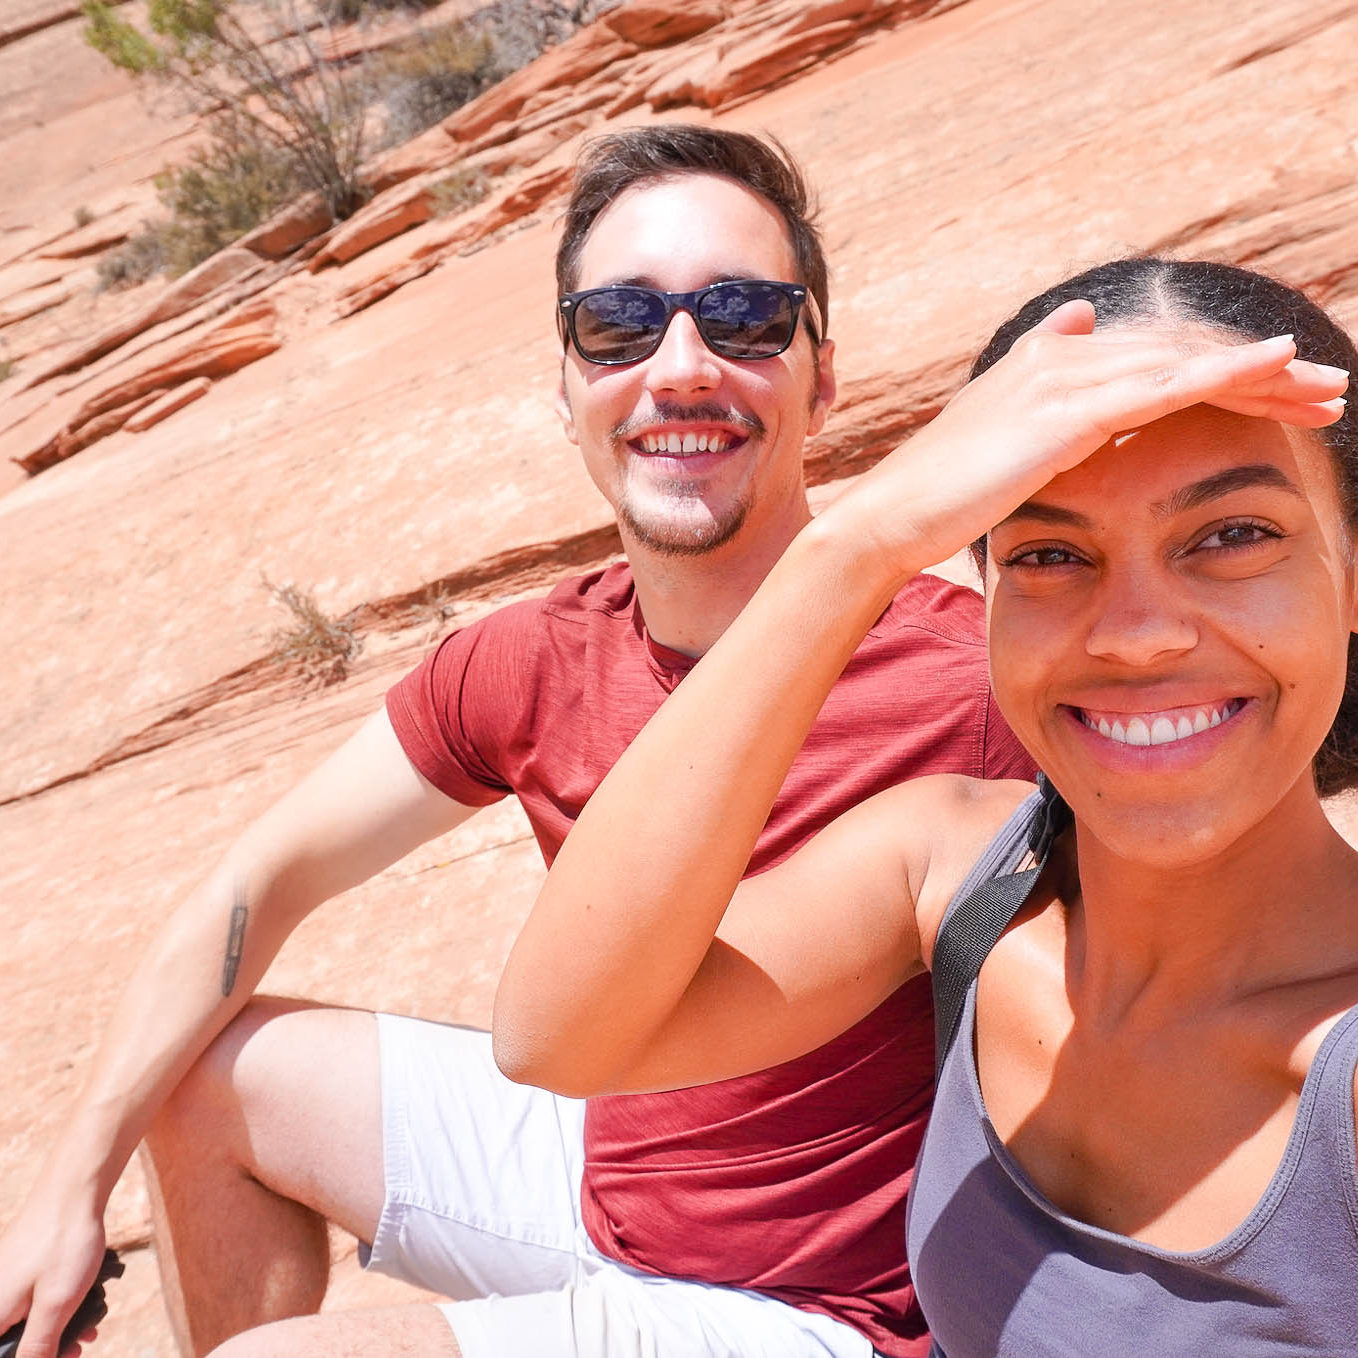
point(705, 412)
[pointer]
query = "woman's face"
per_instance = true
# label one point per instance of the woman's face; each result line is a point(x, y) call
point(1169, 629)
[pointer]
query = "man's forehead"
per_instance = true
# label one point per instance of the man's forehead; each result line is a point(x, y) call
point(685, 231)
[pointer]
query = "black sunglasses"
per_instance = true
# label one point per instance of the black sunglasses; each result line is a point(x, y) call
point(743, 318)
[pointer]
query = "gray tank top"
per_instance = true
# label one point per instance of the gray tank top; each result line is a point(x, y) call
point(1002, 1273)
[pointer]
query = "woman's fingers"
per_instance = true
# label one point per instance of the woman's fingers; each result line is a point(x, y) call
point(1302, 414)
point(1075, 317)
point(1298, 381)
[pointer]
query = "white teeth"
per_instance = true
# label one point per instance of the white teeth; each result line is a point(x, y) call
point(682, 444)
point(1162, 731)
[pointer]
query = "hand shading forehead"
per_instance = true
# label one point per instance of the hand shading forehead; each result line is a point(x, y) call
point(1184, 462)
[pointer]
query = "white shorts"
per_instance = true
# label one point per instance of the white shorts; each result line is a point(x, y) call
point(483, 1206)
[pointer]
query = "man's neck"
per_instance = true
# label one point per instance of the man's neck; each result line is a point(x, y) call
point(689, 601)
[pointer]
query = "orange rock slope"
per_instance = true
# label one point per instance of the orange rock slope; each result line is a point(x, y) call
point(365, 411)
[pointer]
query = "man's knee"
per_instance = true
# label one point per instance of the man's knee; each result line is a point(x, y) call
point(211, 1106)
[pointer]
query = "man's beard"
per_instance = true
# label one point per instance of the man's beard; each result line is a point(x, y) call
point(678, 534)
point(671, 535)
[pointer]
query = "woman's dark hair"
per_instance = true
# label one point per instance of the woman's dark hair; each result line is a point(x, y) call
point(1254, 307)
point(610, 165)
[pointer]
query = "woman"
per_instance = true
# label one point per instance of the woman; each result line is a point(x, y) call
point(1143, 1137)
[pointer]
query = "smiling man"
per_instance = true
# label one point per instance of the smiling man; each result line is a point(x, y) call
point(759, 1216)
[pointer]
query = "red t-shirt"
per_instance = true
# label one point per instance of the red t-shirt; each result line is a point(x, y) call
point(792, 1181)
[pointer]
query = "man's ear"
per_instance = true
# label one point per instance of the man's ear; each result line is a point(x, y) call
point(826, 387)
point(563, 408)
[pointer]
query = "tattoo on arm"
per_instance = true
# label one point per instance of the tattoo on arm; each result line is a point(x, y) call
point(235, 941)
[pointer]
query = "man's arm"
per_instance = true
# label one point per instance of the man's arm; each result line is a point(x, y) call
point(361, 810)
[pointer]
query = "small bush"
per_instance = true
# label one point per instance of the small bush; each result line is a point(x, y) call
point(7, 369)
point(83, 217)
point(139, 257)
point(318, 646)
point(227, 189)
point(224, 191)
point(425, 78)
point(462, 189)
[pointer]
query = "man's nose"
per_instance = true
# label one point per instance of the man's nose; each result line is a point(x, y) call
point(683, 362)
point(1138, 621)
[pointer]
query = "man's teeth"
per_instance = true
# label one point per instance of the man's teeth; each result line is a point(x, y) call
point(685, 443)
point(1153, 729)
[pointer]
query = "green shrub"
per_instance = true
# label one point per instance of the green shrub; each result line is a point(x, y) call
point(430, 75)
point(83, 217)
point(7, 369)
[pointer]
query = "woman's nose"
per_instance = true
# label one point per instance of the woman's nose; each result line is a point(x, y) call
point(1137, 623)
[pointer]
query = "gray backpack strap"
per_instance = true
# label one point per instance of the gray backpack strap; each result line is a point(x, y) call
point(987, 900)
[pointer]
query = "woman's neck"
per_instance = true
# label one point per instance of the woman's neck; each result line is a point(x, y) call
point(1275, 907)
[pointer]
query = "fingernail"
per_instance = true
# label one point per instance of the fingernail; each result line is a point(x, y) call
point(1331, 370)
point(1279, 340)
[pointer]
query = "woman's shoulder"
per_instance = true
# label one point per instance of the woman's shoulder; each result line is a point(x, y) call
point(944, 823)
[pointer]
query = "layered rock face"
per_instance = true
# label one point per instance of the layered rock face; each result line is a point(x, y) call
point(366, 412)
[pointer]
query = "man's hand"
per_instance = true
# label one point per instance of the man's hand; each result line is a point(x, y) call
point(49, 1257)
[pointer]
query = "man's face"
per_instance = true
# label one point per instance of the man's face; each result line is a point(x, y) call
point(692, 449)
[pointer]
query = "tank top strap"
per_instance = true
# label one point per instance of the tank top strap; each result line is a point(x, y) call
point(1326, 1112)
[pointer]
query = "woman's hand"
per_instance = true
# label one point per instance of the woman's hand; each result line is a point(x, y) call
point(1062, 392)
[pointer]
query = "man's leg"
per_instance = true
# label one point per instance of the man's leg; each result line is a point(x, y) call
point(276, 1128)
point(419, 1331)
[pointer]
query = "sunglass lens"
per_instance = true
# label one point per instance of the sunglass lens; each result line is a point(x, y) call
point(747, 320)
point(618, 325)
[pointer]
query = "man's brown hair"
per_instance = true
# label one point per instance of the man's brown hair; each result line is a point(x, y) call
point(610, 165)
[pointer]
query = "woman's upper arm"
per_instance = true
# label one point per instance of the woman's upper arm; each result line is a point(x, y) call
point(811, 946)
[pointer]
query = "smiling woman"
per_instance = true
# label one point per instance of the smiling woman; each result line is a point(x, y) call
point(1143, 1139)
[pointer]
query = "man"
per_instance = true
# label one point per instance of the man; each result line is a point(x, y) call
point(693, 310)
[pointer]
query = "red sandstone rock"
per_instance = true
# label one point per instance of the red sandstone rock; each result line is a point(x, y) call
point(655, 23)
point(93, 239)
point(243, 337)
point(184, 293)
point(569, 63)
point(308, 217)
point(389, 214)
point(25, 304)
point(163, 407)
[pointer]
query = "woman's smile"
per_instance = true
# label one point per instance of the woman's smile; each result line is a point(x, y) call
point(1163, 727)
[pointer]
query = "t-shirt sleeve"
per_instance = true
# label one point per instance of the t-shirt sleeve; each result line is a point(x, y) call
point(455, 713)
point(1004, 757)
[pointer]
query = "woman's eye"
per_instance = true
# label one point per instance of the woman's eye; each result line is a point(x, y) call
point(1241, 533)
point(1040, 558)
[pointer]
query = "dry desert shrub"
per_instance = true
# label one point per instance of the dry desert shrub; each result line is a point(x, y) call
point(314, 644)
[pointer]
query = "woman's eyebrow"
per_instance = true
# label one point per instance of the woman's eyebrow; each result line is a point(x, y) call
point(1191, 496)
point(1214, 487)
point(1055, 515)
